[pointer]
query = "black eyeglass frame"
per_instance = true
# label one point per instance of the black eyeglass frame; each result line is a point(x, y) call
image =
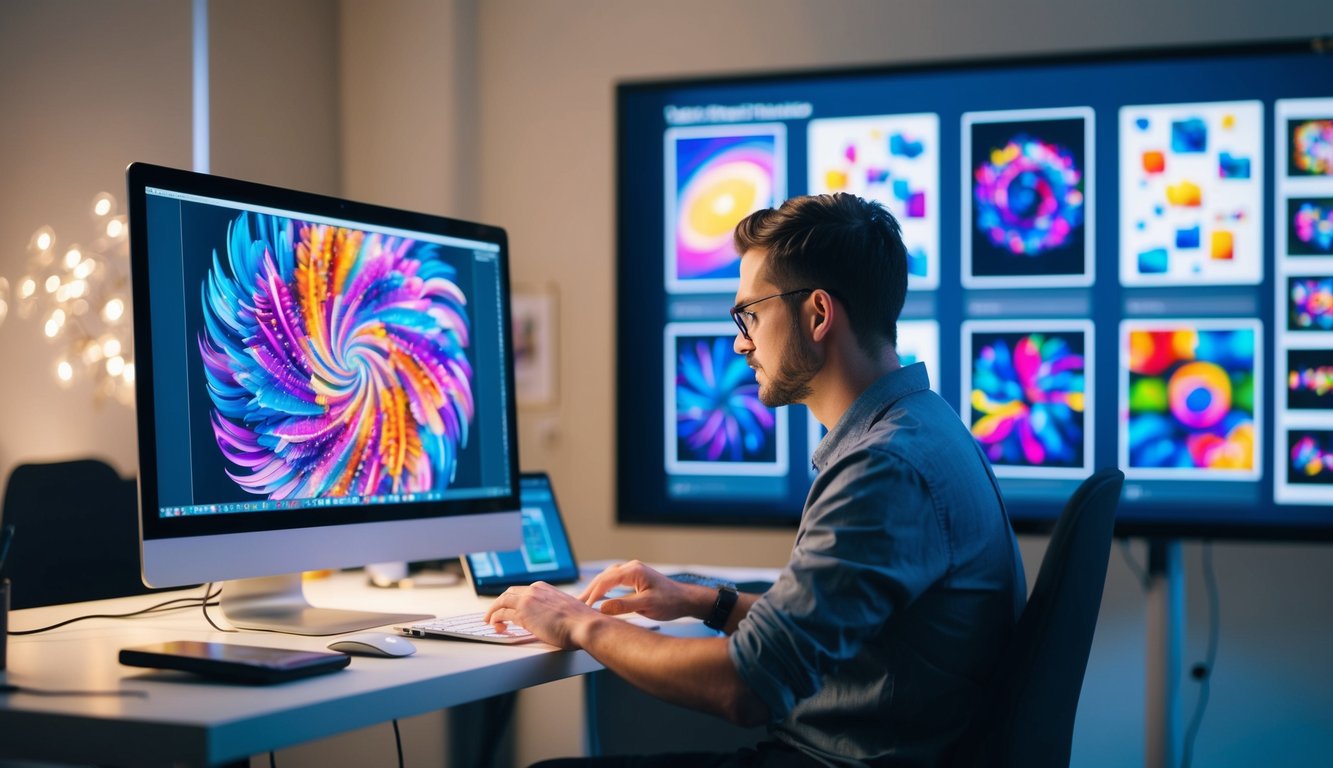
point(739, 309)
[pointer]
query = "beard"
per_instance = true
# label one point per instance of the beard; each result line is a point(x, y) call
point(791, 383)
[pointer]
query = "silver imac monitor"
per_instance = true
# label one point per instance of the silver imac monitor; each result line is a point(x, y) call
point(321, 384)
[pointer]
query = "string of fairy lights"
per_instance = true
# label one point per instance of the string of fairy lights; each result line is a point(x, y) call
point(79, 295)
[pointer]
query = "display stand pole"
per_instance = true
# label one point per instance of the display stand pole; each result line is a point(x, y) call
point(1165, 642)
point(199, 87)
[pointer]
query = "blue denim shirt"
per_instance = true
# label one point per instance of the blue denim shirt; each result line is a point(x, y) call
point(904, 584)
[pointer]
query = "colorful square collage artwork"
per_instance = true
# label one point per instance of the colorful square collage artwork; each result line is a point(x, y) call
point(895, 160)
point(1191, 193)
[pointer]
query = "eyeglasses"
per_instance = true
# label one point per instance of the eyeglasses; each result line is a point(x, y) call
point(739, 314)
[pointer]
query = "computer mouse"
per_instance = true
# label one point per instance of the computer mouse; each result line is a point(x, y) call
point(374, 644)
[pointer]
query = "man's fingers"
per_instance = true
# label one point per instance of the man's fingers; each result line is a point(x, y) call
point(501, 616)
point(614, 607)
point(601, 584)
point(504, 602)
point(592, 593)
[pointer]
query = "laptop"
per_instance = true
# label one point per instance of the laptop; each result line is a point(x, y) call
point(546, 554)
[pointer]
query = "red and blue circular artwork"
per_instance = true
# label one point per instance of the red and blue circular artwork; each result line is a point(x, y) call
point(1191, 399)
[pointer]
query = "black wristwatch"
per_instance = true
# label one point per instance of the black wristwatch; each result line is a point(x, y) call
point(726, 600)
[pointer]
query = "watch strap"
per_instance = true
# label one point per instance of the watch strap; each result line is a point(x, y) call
point(726, 600)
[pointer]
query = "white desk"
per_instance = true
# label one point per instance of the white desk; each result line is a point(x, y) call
point(187, 720)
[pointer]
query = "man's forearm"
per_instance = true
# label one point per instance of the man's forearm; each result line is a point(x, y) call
point(743, 602)
point(692, 672)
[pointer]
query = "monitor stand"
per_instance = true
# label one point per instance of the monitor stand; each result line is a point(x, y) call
point(278, 604)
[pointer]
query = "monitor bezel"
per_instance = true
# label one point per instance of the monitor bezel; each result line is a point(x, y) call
point(154, 527)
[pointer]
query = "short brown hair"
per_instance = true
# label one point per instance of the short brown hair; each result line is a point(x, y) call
point(850, 247)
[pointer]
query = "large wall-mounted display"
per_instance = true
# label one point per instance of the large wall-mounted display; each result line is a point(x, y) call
point(1120, 259)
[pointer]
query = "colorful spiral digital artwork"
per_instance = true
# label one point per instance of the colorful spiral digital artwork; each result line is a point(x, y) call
point(718, 413)
point(1191, 399)
point(1028, 398)
point(335, 361)
point(1312, 148)
point(1312, 458)
point(719, 181)
point(1311, 307)
point(1029, 196)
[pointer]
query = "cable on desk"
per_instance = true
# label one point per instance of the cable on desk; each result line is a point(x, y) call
point(169, 605)
point(204, 606)
point(398, 739)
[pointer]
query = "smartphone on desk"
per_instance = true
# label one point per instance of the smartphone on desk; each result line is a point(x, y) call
point(257, 665)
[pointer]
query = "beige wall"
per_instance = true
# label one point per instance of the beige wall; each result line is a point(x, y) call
point(86, 87)
point(273, 93)
point(408, 87)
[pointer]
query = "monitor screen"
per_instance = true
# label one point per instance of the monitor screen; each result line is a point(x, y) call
point(1119, 259)
point(328, 383)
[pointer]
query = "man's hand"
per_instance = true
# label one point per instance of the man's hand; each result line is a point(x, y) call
point(655, 595)
point(553, 616)
point(693, 672)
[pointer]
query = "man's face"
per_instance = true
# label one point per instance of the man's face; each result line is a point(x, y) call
point(783, 359)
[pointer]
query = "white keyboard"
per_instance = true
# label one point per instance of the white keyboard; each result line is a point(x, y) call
point(467, 626)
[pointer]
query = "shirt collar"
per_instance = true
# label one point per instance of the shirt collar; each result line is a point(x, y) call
point(866, 409)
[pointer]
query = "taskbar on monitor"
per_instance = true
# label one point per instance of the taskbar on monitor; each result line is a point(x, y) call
point(270, 505)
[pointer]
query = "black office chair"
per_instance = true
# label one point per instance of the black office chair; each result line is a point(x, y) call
point(1028, 719)
point(76, 534)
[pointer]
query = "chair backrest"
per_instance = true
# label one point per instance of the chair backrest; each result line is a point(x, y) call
point(1028, 719)
point(76, 534)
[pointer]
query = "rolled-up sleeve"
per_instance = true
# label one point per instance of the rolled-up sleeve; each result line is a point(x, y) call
point(871, 541)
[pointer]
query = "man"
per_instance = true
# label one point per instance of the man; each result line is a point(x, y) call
point(905, 579)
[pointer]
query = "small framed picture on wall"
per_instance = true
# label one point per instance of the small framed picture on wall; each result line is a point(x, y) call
point(534, 313)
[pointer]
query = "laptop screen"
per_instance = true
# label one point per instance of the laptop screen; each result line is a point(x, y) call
point(545, 555)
